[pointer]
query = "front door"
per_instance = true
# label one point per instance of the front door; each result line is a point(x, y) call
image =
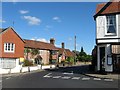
point(116, 63)
point(102, 59)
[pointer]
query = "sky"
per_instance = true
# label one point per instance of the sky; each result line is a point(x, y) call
point(59, 20)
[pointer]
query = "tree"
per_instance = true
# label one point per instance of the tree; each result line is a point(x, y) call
point(82, 53)
point(35, 52)
point(26, 51)
point(83, 56)
point(70, 60)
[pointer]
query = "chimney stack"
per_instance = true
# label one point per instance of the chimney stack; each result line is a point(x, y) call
point(63, 45)
point(52, 41)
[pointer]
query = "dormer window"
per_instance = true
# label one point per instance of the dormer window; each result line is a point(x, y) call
point(111, 24)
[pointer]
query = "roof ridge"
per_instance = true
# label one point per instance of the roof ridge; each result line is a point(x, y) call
point(37, 41)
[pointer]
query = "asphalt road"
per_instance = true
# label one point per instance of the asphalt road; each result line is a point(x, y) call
point(70, 77)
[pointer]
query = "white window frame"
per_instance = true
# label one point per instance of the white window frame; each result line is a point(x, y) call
point(9, 49)
point(106, 26)
point(41, 52)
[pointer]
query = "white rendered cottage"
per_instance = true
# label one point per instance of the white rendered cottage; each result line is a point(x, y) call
point(107, 19)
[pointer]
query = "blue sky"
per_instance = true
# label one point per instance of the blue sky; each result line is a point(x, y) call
point(45, 20)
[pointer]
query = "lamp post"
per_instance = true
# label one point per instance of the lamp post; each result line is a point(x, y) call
point(75, 50)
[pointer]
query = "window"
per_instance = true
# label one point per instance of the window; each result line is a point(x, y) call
point(111, 24)
point(41, 52)
point(9, 47)
point(53, 52)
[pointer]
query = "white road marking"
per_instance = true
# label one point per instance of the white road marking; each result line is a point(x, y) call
point(85, 78)
point(56, 77)
point(97, 79)
point(8, 78)
point(68, 73)
point(108, 79)
point(0, 81)
point(65, 77)
point(76, 78)
point(47, 75)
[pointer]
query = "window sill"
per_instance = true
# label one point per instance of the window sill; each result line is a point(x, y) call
point(8, 52)
point(111, 34)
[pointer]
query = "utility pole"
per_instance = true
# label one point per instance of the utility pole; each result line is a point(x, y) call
point(75, 50)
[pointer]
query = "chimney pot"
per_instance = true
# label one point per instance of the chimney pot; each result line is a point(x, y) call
point(52, 41)
point(63, 45)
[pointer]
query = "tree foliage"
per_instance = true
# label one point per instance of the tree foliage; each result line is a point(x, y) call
point(35, 52)
point(83, 56)
point(27, 50)
point(70, 60)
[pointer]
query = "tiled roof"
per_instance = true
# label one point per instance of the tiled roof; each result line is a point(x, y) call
point(68, 53)
point(61, 50)
point(2, 30)
point(99, 7)
point(39, 45)
point(108, 8)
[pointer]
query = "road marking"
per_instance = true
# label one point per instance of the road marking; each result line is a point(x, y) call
point(76, 78)
point(65, 77)
point(0, 81)
point(85, 78)
point(68, 73)
point(108, 80)
point(47, 75)
point(97, 79)
point(8, 78)
point(56, 77)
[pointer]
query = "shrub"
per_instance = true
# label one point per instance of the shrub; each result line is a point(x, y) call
point(28, 63)
point(70, 60)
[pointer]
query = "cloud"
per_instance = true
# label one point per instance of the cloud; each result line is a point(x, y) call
point(32, 20)
point(40, 39)
point(2, 21)
point(23, 11)
point(58, 45)
point(56, 19)
point(14, 1)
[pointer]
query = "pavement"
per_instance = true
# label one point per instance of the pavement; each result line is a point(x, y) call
point(22, 73)
point(110, 76)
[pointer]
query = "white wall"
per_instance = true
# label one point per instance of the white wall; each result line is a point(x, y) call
point(20, 69)
point(45, 56)
point(119, 26)
point(101, 28)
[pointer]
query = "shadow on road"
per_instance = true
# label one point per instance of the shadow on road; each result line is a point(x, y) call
point(83, 69)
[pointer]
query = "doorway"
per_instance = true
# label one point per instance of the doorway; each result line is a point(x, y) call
point(116, 63)
point(102, 59)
